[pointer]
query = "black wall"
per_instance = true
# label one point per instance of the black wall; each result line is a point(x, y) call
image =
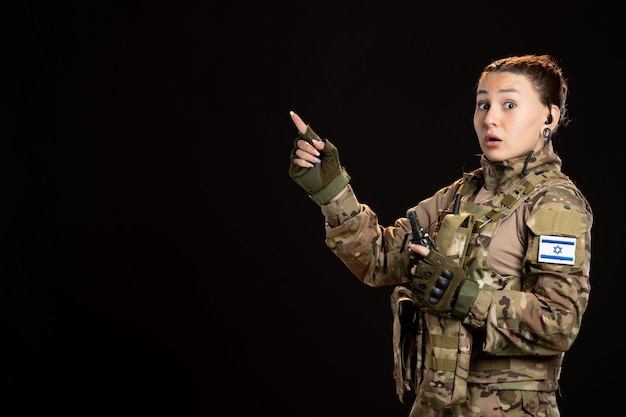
point(157, 259)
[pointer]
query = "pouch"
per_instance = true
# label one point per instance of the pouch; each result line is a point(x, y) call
point(447, 348)
point(454, 235)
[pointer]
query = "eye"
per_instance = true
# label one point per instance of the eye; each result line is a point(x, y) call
point(509, 105)
point(482, 106)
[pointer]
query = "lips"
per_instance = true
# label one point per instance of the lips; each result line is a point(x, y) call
point(492, 141)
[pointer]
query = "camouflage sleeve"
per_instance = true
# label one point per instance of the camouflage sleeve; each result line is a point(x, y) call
point(545, 315)
point(375, 254)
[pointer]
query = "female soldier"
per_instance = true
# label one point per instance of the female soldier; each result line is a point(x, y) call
point(491, 294)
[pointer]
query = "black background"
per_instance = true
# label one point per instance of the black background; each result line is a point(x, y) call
point(156, 258)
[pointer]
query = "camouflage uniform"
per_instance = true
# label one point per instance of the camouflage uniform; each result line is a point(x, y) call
point(528, 311)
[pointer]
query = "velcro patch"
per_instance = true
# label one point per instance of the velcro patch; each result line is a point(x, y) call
point(557, 249)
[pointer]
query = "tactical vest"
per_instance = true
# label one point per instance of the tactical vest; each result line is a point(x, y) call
point(437, 356)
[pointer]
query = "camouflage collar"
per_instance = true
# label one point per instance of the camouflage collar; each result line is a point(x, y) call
point(502, 175)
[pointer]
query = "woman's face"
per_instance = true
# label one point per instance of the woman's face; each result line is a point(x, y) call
point(509, 117)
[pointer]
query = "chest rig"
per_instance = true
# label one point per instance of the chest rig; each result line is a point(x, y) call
point(438, 357)
point(465, 229)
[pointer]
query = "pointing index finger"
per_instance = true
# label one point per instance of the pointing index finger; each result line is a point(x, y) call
point(298, 122)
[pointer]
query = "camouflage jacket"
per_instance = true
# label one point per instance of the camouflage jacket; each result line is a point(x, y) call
point(539, 315)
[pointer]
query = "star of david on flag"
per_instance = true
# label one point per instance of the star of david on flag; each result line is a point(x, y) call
point(557, 249)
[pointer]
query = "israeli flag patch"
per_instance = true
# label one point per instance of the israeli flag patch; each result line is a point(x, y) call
point(557, 249)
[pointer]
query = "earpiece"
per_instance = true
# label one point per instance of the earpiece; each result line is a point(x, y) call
point(549, 119)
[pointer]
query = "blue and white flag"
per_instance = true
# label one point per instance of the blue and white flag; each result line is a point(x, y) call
point(557, 249)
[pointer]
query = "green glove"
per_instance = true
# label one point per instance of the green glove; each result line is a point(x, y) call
point(440, 286)
point(326, 179)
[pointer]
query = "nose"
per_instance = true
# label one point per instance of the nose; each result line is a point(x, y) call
point(491, 117)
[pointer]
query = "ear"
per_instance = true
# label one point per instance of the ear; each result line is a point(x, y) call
point(556, 116)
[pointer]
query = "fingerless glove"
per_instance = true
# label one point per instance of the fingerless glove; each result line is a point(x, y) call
point(440, 285)
point(324, 180)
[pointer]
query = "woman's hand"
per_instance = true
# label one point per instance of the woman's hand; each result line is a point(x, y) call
point(315, 165)
point(307, 154)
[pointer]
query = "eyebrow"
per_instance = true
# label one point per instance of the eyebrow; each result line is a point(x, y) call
point(505, 90)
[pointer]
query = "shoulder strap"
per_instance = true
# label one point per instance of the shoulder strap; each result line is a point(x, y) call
point(519, 193)
point(471, 181)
